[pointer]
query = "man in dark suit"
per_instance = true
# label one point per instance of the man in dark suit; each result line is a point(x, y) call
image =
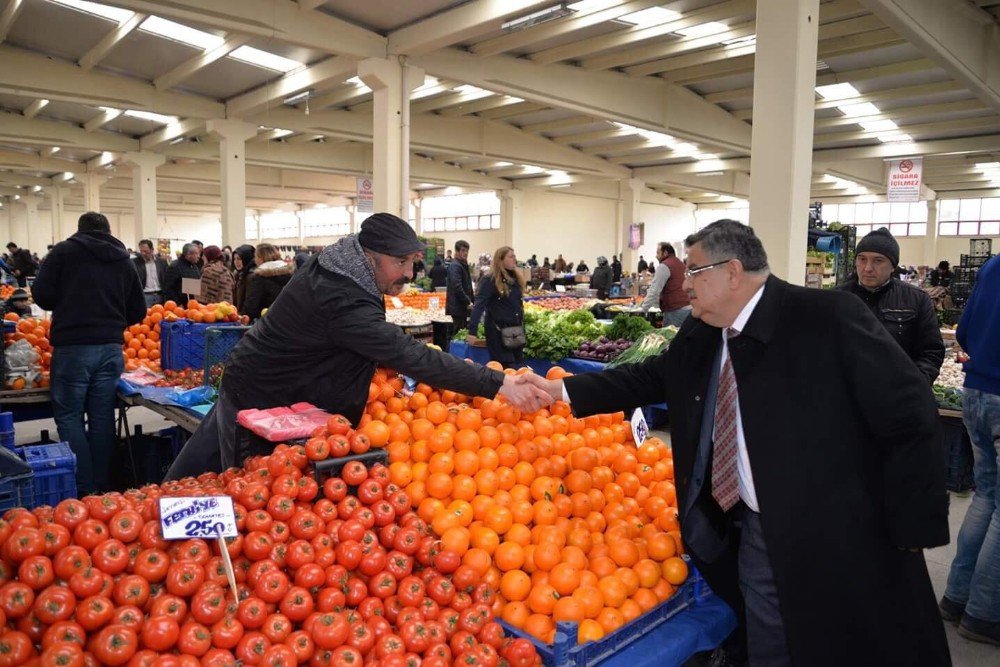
point(806, 457)
point(152, 271)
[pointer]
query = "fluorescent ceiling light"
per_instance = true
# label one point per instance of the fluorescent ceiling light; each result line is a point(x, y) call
point(56, 149)
point(501, 164)
point(265, 59)
point(150, 116)
point(988, 165)
point(893, 137)
point(862, 109)
point(356, 80)
point(112, 13)
point(837, 91)
point(591, 5)
point(879, 126)
point(181, 33)
point(430, 87)
point(535, 18)
point(705, 156)
point(649, 17)
point(560, 185)
point(703, 30)
point(473, 92)
point(532, 169)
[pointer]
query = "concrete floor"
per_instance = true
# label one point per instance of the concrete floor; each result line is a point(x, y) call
point(964, 653)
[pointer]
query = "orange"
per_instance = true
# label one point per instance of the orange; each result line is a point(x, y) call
point(624, 552)
point(455, 539)
point(675, 571)
point(630, 610)
point(542, 599)
point(661, 547)
point(646, 599)
point(567, 609)
point(515, 585)
point(610, 619)
point(564, 578)
point(648, 572)
point(613, 591)
point(591, 599)
point(589, 631)
point(540, 626)
point(516, 613)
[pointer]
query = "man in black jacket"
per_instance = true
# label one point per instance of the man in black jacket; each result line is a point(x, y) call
point(22, 262)
point(904, 310)
point(94, 294)
point(152, 272)
point(459, 299)
point(185, 266)
point(812, 535)
point(322, 340)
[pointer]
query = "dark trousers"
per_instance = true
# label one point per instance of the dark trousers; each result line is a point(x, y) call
point(212, 448)
point(765, 630)
point(152, 298)
point(84, 384)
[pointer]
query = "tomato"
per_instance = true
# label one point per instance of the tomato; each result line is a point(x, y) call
point(384, 513)
point(16, 599)
point(184, 578)
point(305, 525)
point(261, 520)
point(114, 645)
point(70, 513)
point(130, 616)
point(492, 634)
point(90, 533)
point(227, 633)
point(330, 630)
point(349, 554)
point(252, 648)
point(15, 648)
point(69, 560)
point(56, 538)
point(302, 644)
point(407, 541)
point(400, 502)
point(257, 545)
point(382, 585)
point(347, 506)
point(317, 449)
point(23, 543)
point(252, 612)
point(331, 599)
point(473, 619)
point(194, 639)
point(86, 582)
point(131, 589)
point(520, 653)
point(63, 655)
point(160, 633)
point(55, 603)
point(271, 586)
point(361, 638)
point(399, 564)
point(462, 641)
point(151, 537)
point(338, 425)
point(354, 473)
point(486, 655)
point(208, 605)
point(441, 590)
point(36, 571)
point(277, 627)
point(217, 657)
point(370, 492)
point(170, 606)
point(125, 526)
point(297, 604)
point(280, 655)
point(415, 636)
point(372, 563)
point(360, 443)
point(340, 446)
point(411, 591)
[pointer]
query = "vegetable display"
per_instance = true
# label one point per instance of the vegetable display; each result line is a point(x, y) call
point(630, 327)
point(952, 374)
point(949, 398)
point(649, 345)
point(554, 336)
point(603, 349)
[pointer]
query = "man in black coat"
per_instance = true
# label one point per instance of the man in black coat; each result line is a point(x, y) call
point(94, 294)
point(22, 262)
point(804, 499)
point(906, 311)
point(185, 266)
point(438, 274)
point(152, 270)
point(322, 340)
point(616, 268)
point(458, 303)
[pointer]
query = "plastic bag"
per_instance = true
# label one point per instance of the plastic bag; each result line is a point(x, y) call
point(21, 365)
point(192, 397)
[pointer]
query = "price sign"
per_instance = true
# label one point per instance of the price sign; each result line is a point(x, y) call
point(640, 430)
point(560, 288)
point(396, 303)
point(197, 516)
point(434, 302)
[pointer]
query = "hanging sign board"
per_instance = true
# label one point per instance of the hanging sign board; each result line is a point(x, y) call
point(904, 180)
point(366, 196)
point(640, 429)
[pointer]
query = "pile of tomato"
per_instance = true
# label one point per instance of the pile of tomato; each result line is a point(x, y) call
point(342, 573)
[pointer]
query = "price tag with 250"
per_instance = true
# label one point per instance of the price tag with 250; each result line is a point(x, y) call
point(197, 516)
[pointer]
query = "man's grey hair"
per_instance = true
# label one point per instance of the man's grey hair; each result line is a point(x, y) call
point(728, 239)
point(188, 247)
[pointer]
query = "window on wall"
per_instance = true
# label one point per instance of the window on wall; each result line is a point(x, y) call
point(251, 227)
point(460, 213)
point(334, 221)
point(969, 217)
point(279, 225)
point(901, 219)
point(706, 216)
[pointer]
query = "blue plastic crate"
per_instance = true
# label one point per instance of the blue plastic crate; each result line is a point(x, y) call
point(219, 344)
point(565, 652)
point(182, 344)
point(54, 467)
point(17, 491)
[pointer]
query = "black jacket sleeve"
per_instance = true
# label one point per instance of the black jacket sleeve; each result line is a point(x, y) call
point(928, 348)
point(172, 281)
point(900, 411)
point(254, 297)
point(135, 302)
point(45, 289)
point(625, 387)
point(456, 285)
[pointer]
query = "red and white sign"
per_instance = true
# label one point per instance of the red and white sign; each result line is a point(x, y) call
point(904, 179)
point(366, 196)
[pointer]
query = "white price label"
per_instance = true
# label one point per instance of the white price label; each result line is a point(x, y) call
point(197, 516)
point(396, 303)
point(560, 288)
point(434, 303)
point(640, 430)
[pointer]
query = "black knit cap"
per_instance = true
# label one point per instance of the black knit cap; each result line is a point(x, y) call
point(882, 242)
point(389, 235)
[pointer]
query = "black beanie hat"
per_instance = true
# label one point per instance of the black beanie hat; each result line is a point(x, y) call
point(882, 242)
point(390, 235)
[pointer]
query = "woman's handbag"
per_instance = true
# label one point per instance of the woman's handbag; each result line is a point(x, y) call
point(513, 337)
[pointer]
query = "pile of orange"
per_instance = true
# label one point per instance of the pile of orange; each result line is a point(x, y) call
point(566, 518)
point(142, 341)
point(36, 332)
point(6, 291)
point(420, 301)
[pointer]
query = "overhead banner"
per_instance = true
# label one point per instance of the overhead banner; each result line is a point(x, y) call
point(904, 179)
point(366, 196)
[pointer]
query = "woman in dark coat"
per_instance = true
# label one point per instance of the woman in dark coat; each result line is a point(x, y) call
point(267, 281)
point(438, 274)
point(499, 301)
point(602, 278)
point(244, 265)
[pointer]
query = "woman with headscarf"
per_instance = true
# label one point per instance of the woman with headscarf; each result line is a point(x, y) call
point(602, 278)
point(216, 281)
point(499, 303)
point(244, 266)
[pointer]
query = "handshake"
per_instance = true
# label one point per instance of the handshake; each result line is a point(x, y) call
point(530, 392)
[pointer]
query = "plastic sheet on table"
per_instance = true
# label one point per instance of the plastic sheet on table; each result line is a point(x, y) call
point(284, 423)
point(168, 395)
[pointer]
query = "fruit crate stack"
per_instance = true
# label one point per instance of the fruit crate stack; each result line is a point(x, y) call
point(219, 344)
point(980, 252)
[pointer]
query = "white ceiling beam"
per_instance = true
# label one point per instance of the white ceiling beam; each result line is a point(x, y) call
point(169, 132)
point(32, 109)
point(18, 161)
point(987, 122)
point(894, 94)
point(105, 159)
point(110, 41)
point(339, 96)
point(903, 113)
point(634, 34)
point(512, 110)
point(959, 37)
point(484, 104)
point(977, 144)
point(335, 69)
point(281, 20)
point(311, 4)
point(579, 138)
point(101, 119)
point(23, 180)
point(457, 25)
point(561, 124)
point(642, 102)
point(34, 75)
point(202, 60)
point(34, 132)
point(576, 21)
point(8, 16)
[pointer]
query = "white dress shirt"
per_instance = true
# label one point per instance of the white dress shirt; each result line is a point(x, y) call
point(747, 492)
point(152, 277)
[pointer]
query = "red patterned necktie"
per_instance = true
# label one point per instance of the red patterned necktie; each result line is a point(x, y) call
point(725, 477)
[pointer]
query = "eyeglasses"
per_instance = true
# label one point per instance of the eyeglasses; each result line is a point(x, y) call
point(691, 273)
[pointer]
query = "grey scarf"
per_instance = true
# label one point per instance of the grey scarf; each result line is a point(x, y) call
point(346, 258)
